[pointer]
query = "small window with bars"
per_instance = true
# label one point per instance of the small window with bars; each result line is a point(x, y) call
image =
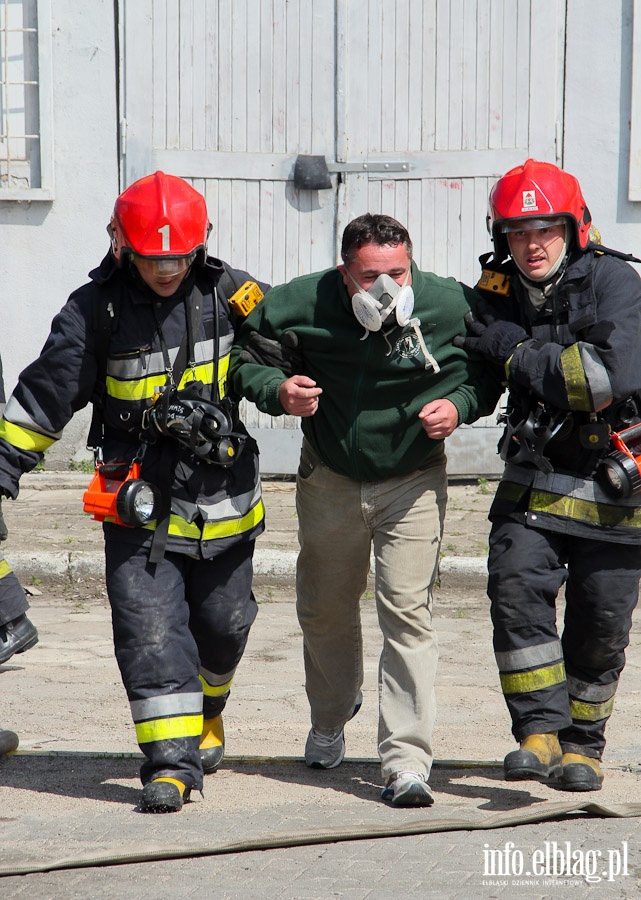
point(26, 152)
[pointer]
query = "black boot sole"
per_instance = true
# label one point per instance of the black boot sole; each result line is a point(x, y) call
point(524, 766)
point(580, 780)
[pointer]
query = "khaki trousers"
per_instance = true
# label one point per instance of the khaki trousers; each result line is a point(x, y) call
point(340, 520)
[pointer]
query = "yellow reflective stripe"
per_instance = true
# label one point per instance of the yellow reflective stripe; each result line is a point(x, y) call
point(140, 389)
point(215, 690)
point(168, 729)
point(576, 383)
point(205, 373)
point(216, 530)
point(591, 712)
point(145, 388)
point(23, 438)
point(536, 680)
point(5, 568)
point(584, 510)
point(182, 528)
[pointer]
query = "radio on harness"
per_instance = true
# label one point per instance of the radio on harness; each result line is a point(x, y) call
point(245, 298)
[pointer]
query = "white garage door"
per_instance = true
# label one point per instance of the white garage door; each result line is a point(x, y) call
point(407, 107)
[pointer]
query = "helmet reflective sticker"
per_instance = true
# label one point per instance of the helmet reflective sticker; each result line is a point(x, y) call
point(529, 201)
point(164, 231)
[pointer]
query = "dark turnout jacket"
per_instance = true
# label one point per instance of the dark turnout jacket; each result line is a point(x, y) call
point(211, 507)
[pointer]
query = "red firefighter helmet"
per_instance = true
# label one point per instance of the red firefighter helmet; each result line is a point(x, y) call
point(539, 192)
point(159, 216)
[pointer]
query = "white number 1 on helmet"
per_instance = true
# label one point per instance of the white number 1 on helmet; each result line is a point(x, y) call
point(164, 233)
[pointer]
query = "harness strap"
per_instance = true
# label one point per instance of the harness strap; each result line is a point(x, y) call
point(169, 450)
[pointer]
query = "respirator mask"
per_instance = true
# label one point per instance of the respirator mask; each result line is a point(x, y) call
point(205, 427)
point(386, 303)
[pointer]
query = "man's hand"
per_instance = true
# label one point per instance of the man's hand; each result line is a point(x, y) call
point(299, 395)
point(284, 354)
point(496, 341)
point(439, 418)
point(4, 531)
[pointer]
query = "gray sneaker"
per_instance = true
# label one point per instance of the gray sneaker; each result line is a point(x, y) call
point(326, 751)
point(408, 789)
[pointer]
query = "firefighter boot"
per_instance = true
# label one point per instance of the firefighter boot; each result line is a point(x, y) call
point(164, 795)
point(538, 758)
point(212, 744)
point(17, 636)
point(581, 773)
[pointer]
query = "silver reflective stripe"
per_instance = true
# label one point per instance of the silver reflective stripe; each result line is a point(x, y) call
point(140, 366)
point(167, 705)
point(591, 693)
point(145, 364)
point(529, 657)
point(597, 376)
point(214, 679)
point(226, 343)
point(230, 507)
point(14, 413)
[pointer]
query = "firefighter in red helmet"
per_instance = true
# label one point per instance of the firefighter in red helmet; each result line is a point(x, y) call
point(147, 341)
point(561, 317)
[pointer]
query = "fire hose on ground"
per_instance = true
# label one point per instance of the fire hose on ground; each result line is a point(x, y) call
point(312, 836)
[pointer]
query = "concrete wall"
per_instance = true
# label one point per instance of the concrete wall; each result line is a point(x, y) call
point(47, 248)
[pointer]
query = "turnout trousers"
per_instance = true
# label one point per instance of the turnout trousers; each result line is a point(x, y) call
point(180, 627)
point(567, 684)
point(13, 601)
point(340, 522)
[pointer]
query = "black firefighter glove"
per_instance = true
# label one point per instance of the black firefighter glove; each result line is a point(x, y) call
point(496, 341)
point(284, 354)
point(4, 531)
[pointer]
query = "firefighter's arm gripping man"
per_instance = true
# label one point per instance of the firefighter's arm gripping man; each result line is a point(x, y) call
point(599, 366)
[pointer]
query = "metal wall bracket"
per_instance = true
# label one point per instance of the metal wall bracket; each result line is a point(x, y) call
point(311, 173)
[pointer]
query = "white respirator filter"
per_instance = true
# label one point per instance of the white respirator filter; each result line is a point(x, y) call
point(374, 308)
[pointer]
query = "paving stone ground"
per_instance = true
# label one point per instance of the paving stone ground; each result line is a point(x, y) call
point(71, 791)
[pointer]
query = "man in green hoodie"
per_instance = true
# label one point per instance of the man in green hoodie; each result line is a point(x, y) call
point(368, 363)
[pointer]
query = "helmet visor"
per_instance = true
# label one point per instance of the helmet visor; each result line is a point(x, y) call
point(163, 266)
point(530, 224)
